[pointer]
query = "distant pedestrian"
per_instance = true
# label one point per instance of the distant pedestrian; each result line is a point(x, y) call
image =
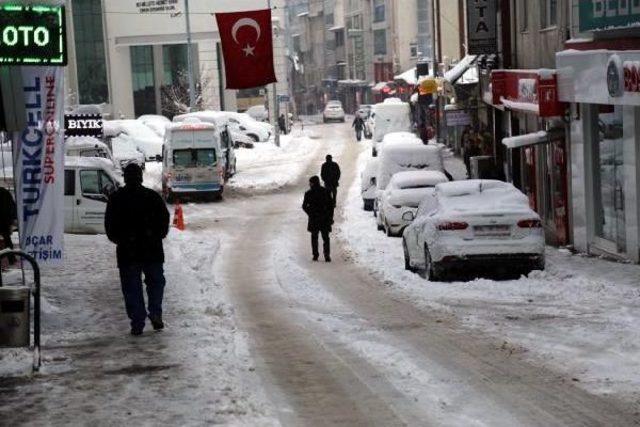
point(330, 173)
point(358, 124)
point(282, 124)
point(318, 205)
point(7, 218)
point(136, 221)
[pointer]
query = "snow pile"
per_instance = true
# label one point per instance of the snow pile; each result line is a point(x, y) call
point(417, 179)
point(267, 167)
point(153, 176)
point(579, 317)
point(476, 196)
point(135, 134)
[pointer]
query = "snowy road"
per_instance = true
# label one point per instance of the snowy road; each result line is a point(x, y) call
point(335, 347)
point(258, 334)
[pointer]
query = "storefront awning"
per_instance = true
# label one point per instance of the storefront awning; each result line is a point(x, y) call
point(460, 69)
point(528, 91)
point(337, 28)
point(524, 140)
point(408, 77)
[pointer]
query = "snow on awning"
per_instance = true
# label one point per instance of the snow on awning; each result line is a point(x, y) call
point(337, 28)
point(409, 77)
point(525, 140)
point(460, 68)
point(303, 14)
point(521, 106)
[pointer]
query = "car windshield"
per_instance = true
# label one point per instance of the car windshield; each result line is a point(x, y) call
point(190, 157)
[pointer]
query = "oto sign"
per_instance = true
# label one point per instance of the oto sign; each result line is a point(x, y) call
point(32, 35)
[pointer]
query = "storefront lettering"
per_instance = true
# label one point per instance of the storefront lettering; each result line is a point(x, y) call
point(606, 8)
point(151, 6)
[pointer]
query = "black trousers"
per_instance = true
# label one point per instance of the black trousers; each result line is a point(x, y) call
point(333, 191)
point(326, 243)
point(359, 134)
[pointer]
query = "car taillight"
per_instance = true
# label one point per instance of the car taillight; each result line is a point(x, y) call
point(530, 223)
point(453, 226)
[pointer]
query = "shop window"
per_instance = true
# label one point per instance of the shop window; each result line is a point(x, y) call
point(143, 79)
point(380, 42)
point(548, 13)
point(90, 52)
point(378, 11)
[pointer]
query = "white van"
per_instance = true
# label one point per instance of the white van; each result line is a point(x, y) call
point(191, 161)
point(88, 146)
point(88, 182)
point(389, 117)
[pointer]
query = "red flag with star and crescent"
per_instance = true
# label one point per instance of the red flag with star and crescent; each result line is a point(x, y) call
point(247, 48)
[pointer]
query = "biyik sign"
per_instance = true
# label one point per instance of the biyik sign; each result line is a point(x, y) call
point(83, 125)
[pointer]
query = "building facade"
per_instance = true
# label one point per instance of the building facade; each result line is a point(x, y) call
point(131, 57)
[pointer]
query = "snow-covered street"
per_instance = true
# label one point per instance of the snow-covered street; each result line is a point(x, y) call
point(258, 334)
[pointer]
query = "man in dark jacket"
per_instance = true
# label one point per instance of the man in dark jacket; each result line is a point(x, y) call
point(282, 124)
point(7, 218)
point(330, 173)
point(319, 207)
point(358, 124)
point(136, 221)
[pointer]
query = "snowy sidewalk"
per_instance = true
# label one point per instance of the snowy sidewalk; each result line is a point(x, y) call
point(580, 317)
point(195, 372)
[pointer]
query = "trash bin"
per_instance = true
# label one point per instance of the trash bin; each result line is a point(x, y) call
point(14, 316)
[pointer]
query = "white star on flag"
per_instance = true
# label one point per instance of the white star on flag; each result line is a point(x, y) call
point(248, 50)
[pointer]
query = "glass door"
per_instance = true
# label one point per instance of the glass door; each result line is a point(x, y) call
point(610, 230)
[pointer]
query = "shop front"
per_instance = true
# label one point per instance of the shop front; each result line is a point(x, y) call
point(535, 154)
point(603, 87)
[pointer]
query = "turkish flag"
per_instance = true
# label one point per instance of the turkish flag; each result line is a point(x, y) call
point(247, 48)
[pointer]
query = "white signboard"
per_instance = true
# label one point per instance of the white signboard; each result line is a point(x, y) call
point(39, 172)
point(482, 27)
point(151, 6)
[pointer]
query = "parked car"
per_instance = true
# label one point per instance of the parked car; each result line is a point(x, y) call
point(245, 124)
point(88, 183)
point(399, 201)
point(333, 111)
point(88, 146)
point(155, 122)
point(125, 152)
point(259, 113)
point(193, 162)
point(475, 224)
point(137, 134)
point(400, 155)
point(389, 117)
point(368, 186)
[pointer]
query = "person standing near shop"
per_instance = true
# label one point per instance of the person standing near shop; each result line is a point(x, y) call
point(137, 220)
point(330, 173)
point(7, 218)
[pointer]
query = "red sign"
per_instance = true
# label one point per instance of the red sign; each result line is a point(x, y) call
point(529, 90)
point(247, 48)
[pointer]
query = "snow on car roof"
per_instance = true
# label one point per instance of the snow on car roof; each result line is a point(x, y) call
point(395, 136)
point(477, 196)
point(404, 151)
point(410, 197)
point(417, 179)
point(88, 162)
point(83, 142)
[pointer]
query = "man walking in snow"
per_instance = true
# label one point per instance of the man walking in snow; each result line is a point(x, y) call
point(318, 205)
point(358, 124)
point(330, 173)
point(136, 221)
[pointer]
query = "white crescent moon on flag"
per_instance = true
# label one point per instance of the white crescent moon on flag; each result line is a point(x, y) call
point(245, 22)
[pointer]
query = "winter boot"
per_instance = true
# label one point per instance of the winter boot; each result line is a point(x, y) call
point(157, 323)
point(136, 331)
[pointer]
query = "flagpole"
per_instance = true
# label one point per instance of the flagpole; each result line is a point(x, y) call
point(276, 105)
point(192, 89)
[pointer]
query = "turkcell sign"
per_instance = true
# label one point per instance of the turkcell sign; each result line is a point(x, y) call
point(608, 14)
point(39, 170)
point(32, 35)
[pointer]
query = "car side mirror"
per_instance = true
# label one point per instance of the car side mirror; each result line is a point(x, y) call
point(408, 216)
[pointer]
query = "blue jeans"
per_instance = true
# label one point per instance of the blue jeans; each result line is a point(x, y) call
point(131, 280)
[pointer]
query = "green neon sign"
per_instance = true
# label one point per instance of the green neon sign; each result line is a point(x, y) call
point(33, 35)
point(608, 14)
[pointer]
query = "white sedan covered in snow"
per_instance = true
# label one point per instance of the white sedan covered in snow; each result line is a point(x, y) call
point(399, 201)
point(135, 134)
point(475, 224)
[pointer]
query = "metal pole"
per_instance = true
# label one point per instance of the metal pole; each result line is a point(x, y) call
point(276, 105)
point(192, 89)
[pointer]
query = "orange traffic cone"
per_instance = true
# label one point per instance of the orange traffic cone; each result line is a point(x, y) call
point(178, 217)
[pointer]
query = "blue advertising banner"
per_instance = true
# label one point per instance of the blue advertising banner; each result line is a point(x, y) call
point(39, 170)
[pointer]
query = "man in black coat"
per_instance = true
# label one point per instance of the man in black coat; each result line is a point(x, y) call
point(7, 218)
point(319, 207)
point(358, 124)
point(330, 173)
point(136, 221)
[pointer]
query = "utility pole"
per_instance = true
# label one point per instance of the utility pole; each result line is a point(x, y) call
point(192, 88)
point(276, 104)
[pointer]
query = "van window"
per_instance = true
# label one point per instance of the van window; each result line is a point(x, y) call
point(69, 182)
point(94, 182)
point(190, 158)
point(93, 152)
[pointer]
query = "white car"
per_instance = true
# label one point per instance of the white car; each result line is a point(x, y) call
point(333, 111)
point(474, 224)
point(399, 202)
point(368, 187)
point(156, 123)
point(136, 133)
point(125, 152)
point(389, 117)
point(259, 113)
point(244, 123)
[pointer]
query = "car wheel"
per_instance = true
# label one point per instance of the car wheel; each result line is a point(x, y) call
point(431, 271)
point(254, 137)
point(407, 259)
point(387, 229)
